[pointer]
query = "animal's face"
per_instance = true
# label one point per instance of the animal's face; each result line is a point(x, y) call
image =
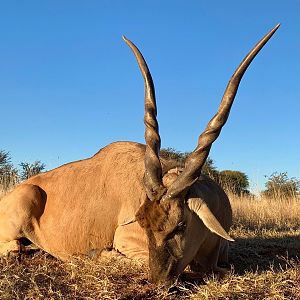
point(175, 233)
point(165, 224)
point(171, 227)
point(176, 229)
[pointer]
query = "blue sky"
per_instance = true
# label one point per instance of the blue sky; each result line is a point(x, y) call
point(69, 85)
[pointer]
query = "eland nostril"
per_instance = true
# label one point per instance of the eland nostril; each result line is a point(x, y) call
point(167, 281)
point(163, 272)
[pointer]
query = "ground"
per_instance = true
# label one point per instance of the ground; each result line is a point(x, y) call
point(264, 259)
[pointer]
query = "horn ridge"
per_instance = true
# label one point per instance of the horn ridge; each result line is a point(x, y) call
point(153, 169)
point(196, 160)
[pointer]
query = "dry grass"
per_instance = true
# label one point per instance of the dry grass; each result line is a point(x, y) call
point(40, 276)
point(264, 260)
point(257, 214)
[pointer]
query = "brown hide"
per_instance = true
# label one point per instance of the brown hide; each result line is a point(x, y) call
point(86, 200)
point(172, 248)
point(77, 208)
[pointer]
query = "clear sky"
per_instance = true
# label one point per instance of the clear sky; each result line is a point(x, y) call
point(69, 85)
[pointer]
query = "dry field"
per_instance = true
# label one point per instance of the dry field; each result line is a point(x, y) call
point(264, 260)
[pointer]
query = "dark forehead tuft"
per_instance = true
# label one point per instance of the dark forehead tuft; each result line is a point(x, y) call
point(168, 164)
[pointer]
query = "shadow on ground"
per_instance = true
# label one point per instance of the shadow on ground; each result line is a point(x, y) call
point(261, 254)
point(252, 254)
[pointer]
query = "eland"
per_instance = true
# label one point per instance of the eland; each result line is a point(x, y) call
point(129, 200)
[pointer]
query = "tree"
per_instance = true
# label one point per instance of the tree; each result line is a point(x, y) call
point(31, 169)
point(234, 181)
point(279, 185)
point(4, 158)
point(172, 154)
point(8, 174)
point(208, 169)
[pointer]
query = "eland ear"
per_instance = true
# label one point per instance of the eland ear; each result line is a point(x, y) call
point(206, 216)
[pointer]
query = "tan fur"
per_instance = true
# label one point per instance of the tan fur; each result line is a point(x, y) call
point(77, 208)
point(212, 249)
